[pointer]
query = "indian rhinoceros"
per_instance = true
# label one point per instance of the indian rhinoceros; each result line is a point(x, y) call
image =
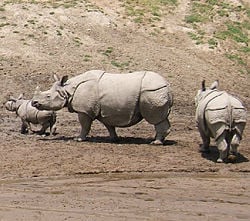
point(30, 115)
point(116, 100)
point(221, 116)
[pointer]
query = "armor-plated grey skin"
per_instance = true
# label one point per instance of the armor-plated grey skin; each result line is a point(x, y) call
point(221, 116)
point(30, 115)
point(116, 100)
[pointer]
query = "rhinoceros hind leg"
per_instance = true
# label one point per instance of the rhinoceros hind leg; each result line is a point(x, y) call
point(162, 130)
point(85, 122)
point(222, 147)
point(204, 148)
point(112, 133)
point(234, 144)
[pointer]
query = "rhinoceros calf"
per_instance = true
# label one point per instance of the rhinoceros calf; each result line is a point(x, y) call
point(221, 116)
point(30, 114)
point(116, 100)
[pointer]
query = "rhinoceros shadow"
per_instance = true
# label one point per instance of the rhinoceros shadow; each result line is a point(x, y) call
point(128, 140)
point(121, 140)
point(213, 155)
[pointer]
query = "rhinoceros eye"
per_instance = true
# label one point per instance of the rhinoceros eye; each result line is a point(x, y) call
point(48, 96)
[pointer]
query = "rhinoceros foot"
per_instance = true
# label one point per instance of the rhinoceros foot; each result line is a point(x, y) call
point(219, 160)
point(79, 139)
point(156, 142)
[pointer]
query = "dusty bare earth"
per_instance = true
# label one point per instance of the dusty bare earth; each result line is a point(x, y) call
point(57, 178)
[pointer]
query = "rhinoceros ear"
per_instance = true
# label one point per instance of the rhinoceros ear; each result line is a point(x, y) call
point(214, 85)
point(63, 80)
point(203, 87)
point(20, 97)
point(56, 77)
point(11, 98)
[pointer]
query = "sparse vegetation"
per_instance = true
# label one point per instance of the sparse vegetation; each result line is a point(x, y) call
point(120, 65)
point(223, 17)
point(147, 11)
point(108, 51)
point(87, 58)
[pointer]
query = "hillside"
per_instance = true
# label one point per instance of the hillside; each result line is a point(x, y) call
point(39, 38)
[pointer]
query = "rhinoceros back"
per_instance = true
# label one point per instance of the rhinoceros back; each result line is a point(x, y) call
point(227, 109)
point(29, 113)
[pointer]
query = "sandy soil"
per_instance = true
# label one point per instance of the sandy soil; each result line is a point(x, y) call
point(57, 178)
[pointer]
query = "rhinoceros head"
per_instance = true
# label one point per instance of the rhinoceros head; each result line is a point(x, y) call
point(53, 99)
point(13, 103)
point(202, 93)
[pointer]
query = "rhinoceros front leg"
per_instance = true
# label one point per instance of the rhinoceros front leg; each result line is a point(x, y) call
point(85, 122)
point(25, 127)
point(162, 130)
point(43, 129)
point(52, 129)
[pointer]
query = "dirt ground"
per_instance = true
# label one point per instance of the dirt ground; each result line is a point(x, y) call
point(57, 178)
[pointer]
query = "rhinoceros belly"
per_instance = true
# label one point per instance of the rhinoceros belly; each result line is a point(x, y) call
point(118, 98)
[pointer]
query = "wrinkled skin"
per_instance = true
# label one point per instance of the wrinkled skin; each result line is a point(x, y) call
point(103, 96)
point(30, 115)
point(222, 117)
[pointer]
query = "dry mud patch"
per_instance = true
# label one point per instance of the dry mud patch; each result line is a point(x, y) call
point(57, 178)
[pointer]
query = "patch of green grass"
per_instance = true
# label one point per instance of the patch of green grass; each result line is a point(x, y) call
point(87, 58)
point(108, 51)
point(77, 40)
point(235, 32)
point(193, 18)
point(212, 43)
point(237, 58)
point(245, 49)
point(197, 37)
point(200, 12)
point(120, 65)
point(144, 11)
point(206, 16)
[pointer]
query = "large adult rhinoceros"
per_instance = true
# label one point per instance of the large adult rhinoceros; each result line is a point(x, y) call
point(116, 100)
point(221, 116)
